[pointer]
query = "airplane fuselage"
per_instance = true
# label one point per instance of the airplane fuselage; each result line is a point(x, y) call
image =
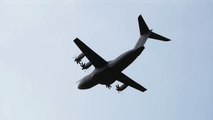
point(107, 74)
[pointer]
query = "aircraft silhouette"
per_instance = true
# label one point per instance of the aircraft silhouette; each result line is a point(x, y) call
point(107, 72)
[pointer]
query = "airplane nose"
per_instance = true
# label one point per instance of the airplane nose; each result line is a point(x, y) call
point(81, 85)
point(86, 83)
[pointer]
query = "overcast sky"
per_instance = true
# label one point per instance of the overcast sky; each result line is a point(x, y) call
point(38, 76)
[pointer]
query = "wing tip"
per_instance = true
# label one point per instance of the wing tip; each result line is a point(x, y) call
point(140, 16)
point(76, 39)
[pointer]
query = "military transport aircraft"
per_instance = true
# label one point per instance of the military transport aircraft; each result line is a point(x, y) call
point(107, 72)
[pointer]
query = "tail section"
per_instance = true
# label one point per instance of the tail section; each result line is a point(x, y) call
point(142, 25)
point(144, 29)
point(158, 37)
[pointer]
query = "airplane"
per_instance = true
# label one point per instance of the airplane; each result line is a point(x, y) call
point(107, 72)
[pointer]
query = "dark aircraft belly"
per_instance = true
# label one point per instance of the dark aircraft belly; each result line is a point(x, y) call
point(87, 82)
point(105, 76)
point(124, 60)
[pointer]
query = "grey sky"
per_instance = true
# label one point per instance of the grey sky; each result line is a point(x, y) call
point(38, 76)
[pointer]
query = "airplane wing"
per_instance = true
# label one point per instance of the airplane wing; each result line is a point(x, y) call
point(93, 57)
point(128, 81)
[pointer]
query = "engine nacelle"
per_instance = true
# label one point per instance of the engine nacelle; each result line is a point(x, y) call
point(78, 59)
point(121, 88)
point(86, 66)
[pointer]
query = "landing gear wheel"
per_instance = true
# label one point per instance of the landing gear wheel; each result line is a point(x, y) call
point(108, 86)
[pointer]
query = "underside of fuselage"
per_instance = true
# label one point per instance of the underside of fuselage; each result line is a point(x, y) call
point(125, 59)
point(107, 74)
point(104, 76)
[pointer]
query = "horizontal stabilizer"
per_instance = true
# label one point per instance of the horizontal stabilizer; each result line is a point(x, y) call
point(158, 37)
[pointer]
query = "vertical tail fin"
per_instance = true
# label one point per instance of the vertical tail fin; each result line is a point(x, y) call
point(144, 29)
point(142, 25)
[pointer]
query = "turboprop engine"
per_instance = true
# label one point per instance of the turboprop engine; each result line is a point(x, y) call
point(85, 65)
point(121, 88)
point(78, 59)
